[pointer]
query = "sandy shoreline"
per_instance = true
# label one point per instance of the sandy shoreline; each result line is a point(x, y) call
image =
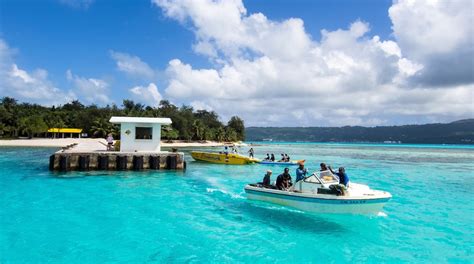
point(62, 142)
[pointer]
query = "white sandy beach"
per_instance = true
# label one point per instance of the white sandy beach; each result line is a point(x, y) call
point(62, 142)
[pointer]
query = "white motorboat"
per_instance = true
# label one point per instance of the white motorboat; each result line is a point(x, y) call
point(321, 193)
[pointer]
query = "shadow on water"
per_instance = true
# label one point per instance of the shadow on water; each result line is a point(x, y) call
point(280, 218)
point(70, 175)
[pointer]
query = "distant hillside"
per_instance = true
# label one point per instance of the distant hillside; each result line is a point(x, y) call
point(458, 132)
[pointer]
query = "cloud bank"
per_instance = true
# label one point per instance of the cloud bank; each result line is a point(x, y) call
point(276, 73)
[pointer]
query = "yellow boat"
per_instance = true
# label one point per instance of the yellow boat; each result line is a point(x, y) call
point(221, 158)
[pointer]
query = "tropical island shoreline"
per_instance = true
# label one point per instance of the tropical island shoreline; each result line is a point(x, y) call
point(62, 142)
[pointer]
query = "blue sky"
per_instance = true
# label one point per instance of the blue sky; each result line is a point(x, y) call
point(74, 42)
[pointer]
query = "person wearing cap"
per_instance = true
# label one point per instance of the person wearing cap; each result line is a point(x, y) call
point(266, 179)
point(301, 171)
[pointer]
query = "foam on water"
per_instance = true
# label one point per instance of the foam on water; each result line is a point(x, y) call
point(202, 215)
point(233, 195)
point(382, 214)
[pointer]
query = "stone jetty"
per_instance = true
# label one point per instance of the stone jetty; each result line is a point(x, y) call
point(92, 155)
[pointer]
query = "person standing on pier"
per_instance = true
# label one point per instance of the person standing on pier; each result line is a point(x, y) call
point(110, 142)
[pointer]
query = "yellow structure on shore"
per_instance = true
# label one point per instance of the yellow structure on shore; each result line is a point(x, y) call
point(63, 131)
point(222, 158)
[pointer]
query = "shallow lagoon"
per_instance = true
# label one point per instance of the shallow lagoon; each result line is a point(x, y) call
point(202, 215)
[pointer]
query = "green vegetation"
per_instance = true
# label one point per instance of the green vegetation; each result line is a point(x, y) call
point(459, 132)
point(30, 120)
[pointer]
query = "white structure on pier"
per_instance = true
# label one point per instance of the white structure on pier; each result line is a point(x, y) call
point(140, 133)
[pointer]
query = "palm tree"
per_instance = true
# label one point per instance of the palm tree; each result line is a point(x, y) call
point(198, 128)
point(220, 134)
point(101, 127)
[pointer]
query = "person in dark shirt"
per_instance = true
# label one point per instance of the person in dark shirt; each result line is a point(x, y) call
point(282, 158)
point(267, 157)
point(323, 167)
point(272, 158)
point(283, 181)
point(251, 152)
point(266, 179)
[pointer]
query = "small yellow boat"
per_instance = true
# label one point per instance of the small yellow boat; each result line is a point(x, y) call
point(221, 158)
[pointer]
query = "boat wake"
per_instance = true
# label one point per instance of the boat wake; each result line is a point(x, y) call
point(231, 194)
point(382, 214)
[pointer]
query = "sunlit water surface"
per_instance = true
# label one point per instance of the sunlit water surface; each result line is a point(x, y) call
point(202, 215)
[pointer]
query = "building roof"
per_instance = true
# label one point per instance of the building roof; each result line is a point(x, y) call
point(147, 120)
point(65, 130)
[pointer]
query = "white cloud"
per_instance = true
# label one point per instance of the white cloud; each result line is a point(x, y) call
point(438, 35)
point(198, 105)
point(132, 65)
point(275, 73)
point(89, 89)
point(147, 94)
point(33, 87)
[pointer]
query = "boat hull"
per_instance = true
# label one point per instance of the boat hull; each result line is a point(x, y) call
point(264, 162)
point(323, 204)
point(230, 159)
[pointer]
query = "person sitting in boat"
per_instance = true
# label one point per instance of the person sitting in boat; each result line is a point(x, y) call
point(226, 150)
point(110, 142)
point(266, 179)
point(272, 158)
point(301, 171)
point(283, 181)
point(287, 158)
point(343, 178)
point(268, 157)
point(251, 152)
point(323, 167)
point(283, 159)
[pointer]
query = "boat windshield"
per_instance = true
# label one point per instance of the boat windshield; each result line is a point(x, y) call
point(327, 176)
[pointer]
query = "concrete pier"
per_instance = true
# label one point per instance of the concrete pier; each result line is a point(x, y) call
point(92, 156)
point(70, 161)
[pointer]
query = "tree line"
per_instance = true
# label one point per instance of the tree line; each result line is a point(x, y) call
point(30, 120)
point(458, 132)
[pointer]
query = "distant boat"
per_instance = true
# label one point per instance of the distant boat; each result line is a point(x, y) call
point(267, 139)
point(392, 142)
point(284, 163)
point(222, 158)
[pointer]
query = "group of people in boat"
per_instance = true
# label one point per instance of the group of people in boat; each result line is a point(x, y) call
point(284, 157)
point(231, 149)
point(284, 180)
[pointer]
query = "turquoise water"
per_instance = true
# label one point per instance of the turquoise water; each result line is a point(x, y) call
point(202, 215)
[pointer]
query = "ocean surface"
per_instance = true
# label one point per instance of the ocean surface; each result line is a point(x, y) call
point(202, 214)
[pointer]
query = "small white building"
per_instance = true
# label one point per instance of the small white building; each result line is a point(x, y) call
point(140, 133)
